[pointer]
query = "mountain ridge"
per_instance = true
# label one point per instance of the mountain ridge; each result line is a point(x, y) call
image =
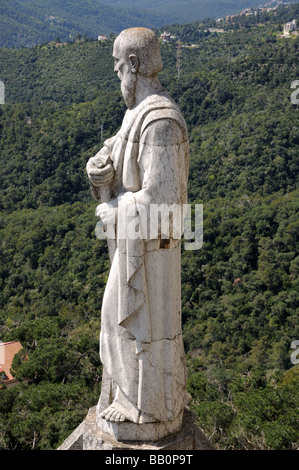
point(24, 23)
point(184, 11)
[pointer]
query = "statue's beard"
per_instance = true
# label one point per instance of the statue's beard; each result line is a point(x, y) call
point(128, 89)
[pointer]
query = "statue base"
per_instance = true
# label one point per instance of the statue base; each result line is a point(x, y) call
point(88, 436)
point(147, 432)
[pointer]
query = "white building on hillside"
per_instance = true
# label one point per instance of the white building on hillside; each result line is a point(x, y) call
point(289, 27)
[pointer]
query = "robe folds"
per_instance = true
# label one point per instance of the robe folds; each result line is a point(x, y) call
point(141, 346)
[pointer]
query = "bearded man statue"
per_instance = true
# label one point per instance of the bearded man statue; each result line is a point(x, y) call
point(144, 165)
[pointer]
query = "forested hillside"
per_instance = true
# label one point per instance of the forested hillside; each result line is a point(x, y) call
point(24, 23)
point(240, 291)
point(30, 22)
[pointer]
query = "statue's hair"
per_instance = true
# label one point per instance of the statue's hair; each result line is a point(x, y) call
point(145, 45)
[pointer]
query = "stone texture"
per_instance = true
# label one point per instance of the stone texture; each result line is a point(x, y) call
point(75, 440)
point(89, 437)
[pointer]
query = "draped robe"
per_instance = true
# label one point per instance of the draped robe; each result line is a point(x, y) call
point(141, 347)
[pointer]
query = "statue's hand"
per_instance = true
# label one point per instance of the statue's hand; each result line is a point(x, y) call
point(98, 174)
point(107, 213)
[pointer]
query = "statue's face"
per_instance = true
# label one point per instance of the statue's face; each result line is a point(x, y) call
point(122, 66)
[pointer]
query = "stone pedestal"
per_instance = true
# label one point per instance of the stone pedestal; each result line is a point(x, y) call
point(88, 436)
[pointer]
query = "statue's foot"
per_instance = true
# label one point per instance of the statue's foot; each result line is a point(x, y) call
point(112, 415)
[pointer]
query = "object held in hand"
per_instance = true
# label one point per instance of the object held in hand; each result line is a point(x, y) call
point(100, 176)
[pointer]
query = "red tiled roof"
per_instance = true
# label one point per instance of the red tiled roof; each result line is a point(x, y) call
point(6, 357)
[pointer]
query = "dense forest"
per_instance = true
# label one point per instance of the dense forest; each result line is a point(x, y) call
point(239, 291)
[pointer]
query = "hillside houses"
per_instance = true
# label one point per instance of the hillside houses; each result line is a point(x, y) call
point(165, 37)
point(289, 27)
point(271, 6)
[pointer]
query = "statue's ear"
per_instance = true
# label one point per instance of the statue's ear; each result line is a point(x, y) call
point(134, 61)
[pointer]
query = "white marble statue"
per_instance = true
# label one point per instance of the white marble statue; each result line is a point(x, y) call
point(144, 164)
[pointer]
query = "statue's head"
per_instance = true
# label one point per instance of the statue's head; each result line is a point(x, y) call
point(136, 53)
